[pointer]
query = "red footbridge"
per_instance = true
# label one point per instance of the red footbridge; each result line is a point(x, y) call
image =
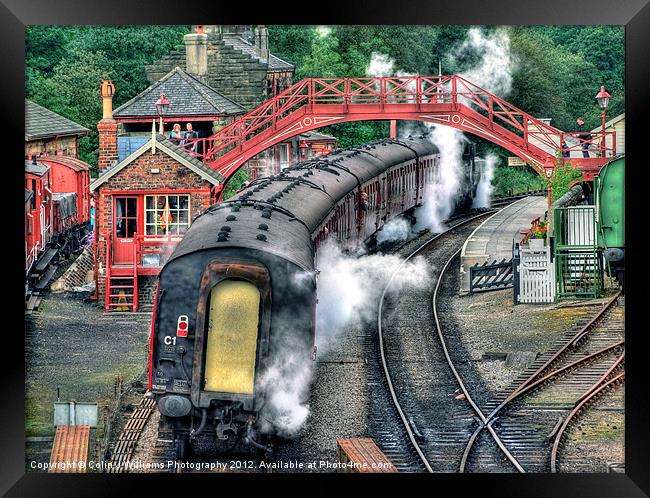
point(447, 100)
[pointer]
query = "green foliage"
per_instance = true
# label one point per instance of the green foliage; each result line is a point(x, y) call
point(508, 180)
point(292, 43)
point(565, 174)
point(65, 65)
point(235, 183)
point(558, 70)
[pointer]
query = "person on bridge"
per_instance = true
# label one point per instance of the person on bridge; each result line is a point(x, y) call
point(584, 137)
point(189, 134)
point(565, 150)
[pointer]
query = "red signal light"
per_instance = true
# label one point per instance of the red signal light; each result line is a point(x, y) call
point(183, 326)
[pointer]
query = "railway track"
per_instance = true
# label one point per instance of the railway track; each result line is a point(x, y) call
point(521, 429)
point(529, 415)
point(533, 414)
point(437, 417)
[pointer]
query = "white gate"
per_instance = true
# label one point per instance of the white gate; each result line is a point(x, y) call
point(536, 276)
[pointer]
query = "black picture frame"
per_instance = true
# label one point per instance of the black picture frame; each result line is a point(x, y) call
point(634, 14)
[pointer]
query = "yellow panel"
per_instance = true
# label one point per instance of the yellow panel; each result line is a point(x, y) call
point(232, 337)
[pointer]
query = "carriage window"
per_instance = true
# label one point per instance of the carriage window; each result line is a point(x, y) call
point(166, 214)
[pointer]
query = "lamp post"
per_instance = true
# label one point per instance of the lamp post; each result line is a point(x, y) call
point(162, 104)
point(603, 101)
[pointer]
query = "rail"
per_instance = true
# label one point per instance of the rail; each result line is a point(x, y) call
point(386, 370)
point(378, 97)
point(540, 375)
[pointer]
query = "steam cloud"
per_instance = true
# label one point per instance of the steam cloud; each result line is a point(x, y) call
point(396, 229)
point(286, 386)
point(485, 187)
point(350, 287)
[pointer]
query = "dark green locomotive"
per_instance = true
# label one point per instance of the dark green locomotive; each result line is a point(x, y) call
point(609, 188)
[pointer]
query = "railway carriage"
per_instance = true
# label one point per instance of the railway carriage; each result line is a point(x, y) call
point(240, 288)
point(57, 209)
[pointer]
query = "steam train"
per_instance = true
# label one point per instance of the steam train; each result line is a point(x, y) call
point(239, 290)
point(609, 186)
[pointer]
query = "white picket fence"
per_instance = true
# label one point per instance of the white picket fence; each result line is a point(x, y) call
point(536, 276)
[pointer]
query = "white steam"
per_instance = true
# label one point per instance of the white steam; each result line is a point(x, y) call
point(349, 288)
point(395, 230)
point(493, 72)
point(442, 194)
point(380, 65)
point(323, 31)
point(286, 386)
point(484, 188)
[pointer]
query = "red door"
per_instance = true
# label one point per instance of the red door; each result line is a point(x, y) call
point(125, 226)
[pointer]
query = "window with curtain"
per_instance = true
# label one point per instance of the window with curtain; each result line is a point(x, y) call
point(166, 214)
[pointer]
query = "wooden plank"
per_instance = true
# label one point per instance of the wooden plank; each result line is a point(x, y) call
point(45, 279)
point(70, 449)
point(365, 456)
point(45, 261)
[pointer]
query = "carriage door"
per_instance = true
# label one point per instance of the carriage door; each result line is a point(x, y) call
point(125, 226)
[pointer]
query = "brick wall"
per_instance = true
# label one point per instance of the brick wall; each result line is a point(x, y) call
point(137, 177)
point(146, 292)
point(107, 129)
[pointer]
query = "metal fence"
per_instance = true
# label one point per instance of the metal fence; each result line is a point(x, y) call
point(490, 276)
point(577, 258)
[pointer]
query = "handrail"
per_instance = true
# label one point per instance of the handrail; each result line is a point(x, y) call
point(517, 126)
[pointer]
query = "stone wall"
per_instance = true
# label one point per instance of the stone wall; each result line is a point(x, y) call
point(231, 72)
point(50, 146)
point(146, 292)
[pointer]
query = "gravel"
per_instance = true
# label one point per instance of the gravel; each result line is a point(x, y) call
point(72, 345)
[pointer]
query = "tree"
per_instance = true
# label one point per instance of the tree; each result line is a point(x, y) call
point(235, 183)
point(563, 176)
point(73, 92)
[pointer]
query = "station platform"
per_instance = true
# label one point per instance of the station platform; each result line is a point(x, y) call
point(492, 240)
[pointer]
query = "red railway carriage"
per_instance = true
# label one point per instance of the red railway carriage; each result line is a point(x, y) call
point(38, 211)
point(70, 175)
point(57, 208)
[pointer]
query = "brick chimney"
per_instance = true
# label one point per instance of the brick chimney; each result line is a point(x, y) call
point(262, 43)
point(196, 53)
point(107, 128)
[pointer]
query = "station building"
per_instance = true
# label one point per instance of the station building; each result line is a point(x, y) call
point(150, 188)
point(144, 204)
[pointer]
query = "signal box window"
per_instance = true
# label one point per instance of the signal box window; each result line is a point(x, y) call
point(166, 214)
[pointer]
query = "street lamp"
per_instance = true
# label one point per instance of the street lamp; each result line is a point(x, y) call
point(603, 101)
point(162, 104)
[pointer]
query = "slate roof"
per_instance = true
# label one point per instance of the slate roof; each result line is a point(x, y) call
point(42, 123)
point(275, 63)
point(171, 149)
point(187, 95)
point(38, 169)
